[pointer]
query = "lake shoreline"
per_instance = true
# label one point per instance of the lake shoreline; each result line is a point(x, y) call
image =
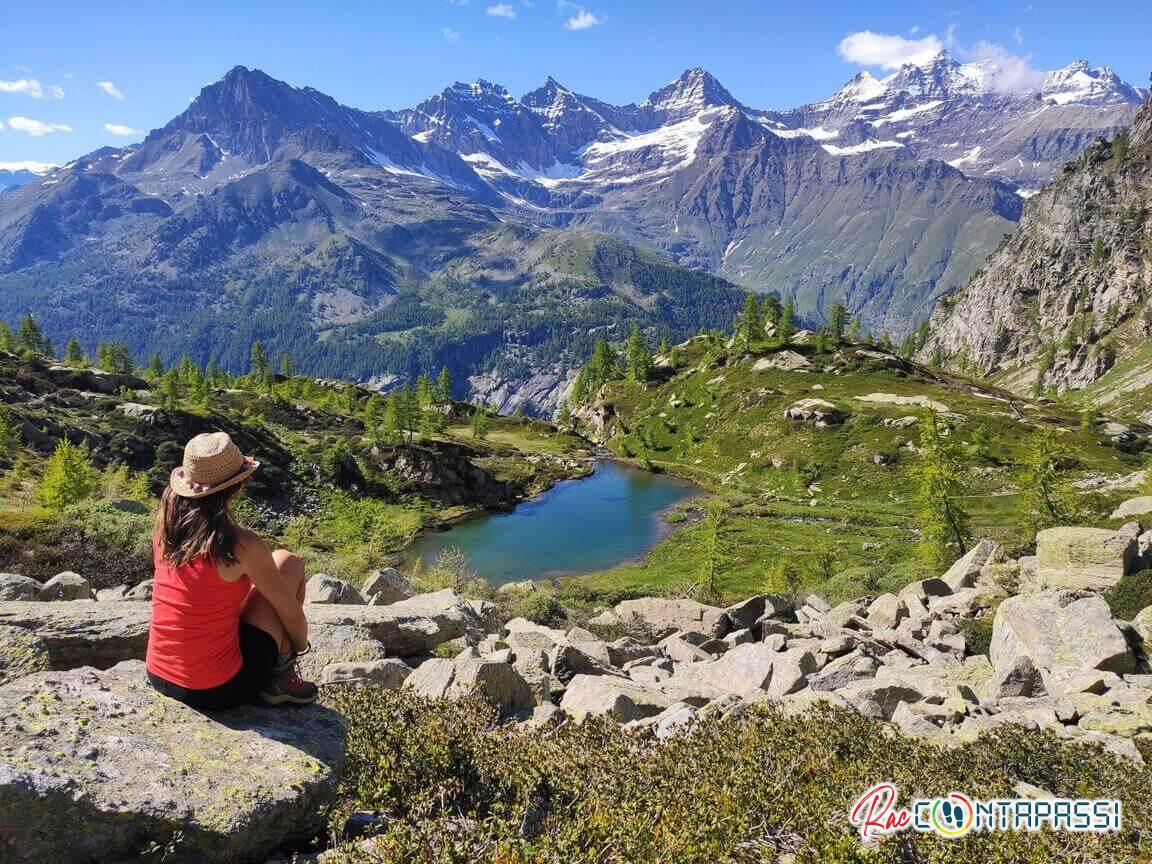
point(618, 518)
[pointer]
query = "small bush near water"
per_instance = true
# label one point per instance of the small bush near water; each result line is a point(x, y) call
point(452, 786)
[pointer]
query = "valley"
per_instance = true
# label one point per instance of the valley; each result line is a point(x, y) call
point(669, 479)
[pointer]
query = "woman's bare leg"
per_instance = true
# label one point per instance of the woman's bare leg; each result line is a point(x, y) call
point(259, 612)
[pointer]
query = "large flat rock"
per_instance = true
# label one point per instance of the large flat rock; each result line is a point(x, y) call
point(1092, 558)
point(1064, 630)
point(96, 766)
point(102, 634)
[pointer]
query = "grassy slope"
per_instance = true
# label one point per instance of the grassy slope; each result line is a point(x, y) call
point(793, 491)
point(343, 521)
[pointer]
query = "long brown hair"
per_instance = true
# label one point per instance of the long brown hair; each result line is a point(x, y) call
point(190, 528)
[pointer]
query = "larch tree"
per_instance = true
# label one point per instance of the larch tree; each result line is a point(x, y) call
point(940, 474)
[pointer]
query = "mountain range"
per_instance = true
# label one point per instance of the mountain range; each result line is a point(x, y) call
point(500, 235)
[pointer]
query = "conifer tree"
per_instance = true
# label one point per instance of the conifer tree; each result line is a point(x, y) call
point(156, 368)
point(425, 392)
point(287, 365)
point(664, 347)
point(351, 398)
point(1046, 496)
point(171, 391)
point(105, 357)
point(198, 390)
point(855, 330)
point(480, 423)
point(372, 416)
point(751, 326)
point(390, 428)
point(184, 369)
point(69, 476)
point(770, 309)
point(74, 354)
point(564, 418)
point(786, 328)
point(7, 339)
point(837, 321)
point(123, 358)
point(211, 373)
point(8, 438)
point(639, 357)
point(31, 338)
point(258, 366)
point(940, 473)
point(444, 386)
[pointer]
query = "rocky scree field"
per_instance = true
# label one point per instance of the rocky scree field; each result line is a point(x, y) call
point(656, 730)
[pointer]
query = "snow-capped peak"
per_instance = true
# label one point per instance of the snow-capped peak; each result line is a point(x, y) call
point(1081, 83)
point(695, 90)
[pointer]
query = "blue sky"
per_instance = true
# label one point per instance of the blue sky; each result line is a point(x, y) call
point(77, 76)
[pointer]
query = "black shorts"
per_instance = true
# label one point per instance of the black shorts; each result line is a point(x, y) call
point(259, 652)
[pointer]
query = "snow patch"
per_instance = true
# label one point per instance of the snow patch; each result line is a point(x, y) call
point(864, 147)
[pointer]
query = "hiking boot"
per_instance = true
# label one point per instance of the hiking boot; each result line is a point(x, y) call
point(288, 688)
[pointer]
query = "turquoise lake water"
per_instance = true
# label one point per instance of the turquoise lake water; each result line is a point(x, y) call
point(577, 526)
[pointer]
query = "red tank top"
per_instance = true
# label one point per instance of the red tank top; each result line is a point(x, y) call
point(194, 638)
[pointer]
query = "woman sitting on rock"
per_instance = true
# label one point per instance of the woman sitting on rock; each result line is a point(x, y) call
point(227, 613)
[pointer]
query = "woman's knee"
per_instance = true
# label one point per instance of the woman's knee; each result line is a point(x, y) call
point(289, 565)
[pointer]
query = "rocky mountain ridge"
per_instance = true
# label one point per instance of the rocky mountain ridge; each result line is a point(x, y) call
point(1063, 305)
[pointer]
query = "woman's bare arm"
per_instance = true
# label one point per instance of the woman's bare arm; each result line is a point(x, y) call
point(255, 558)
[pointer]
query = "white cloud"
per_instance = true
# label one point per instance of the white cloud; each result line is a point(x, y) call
point(36, 127)
point(501, 10)
point(27, 86)
point(1018, 35)
point(582, 20)
point(1010, 73)
point(57, 91)
point(450, 34)
point(111, 89)
point(914, 29)
point(119, 129)
point(887, 51)
point(34, 167)
point(1006, 72)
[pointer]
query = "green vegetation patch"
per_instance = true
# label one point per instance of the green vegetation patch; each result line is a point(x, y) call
point(452, 786)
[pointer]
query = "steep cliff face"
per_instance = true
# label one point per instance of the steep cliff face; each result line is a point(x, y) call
point(1064, 303)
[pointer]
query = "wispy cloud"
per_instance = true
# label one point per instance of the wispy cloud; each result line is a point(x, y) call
point(886, 50)
point(29, 165)
point(56, 91)
point(582, 20)
point(36, 127)
point(501, 10)
point(1009, 73)
point(1005, 71)
point(450, 34)
point(27, 86)
point(111, 89)
point(119, 129)
point(1018, 35)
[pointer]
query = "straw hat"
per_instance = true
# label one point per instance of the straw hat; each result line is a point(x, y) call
point(211, 462)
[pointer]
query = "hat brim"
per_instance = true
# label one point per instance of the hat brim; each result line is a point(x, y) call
point(185, 488)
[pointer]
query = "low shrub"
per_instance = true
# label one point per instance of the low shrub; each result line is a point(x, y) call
point(541, 607)
point(1130, 595)
point(977, 634)
point(451, 785)
point(104, 545)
